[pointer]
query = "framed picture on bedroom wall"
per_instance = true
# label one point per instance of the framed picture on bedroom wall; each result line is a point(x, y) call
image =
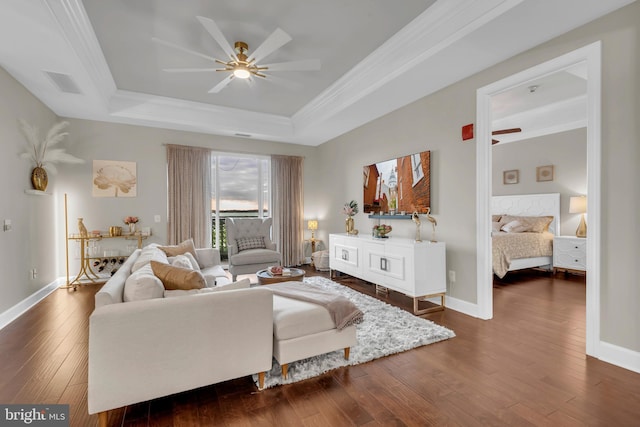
point(544, 173)
point(510, 177)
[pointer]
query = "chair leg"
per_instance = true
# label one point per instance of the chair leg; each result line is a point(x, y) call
point(346, 352)
point(285, 370)
point(102, 418)
point(234, 277)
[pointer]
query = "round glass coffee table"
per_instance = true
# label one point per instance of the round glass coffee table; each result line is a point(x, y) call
point(266, 278)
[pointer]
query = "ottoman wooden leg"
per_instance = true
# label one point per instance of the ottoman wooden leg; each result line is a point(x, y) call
point(285, 370)
point(346, 352)
point(261, 380)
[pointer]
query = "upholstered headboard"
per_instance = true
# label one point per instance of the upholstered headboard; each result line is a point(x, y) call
point(530, 205)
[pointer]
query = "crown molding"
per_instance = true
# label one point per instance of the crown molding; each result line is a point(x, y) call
point(432, 31)
point(198, 117)
point(74, 24)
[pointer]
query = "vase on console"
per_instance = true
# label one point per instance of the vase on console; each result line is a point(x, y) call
point(132, 228)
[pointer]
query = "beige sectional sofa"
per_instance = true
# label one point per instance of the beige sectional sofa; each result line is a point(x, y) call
point(153, 347)
point(144, 345)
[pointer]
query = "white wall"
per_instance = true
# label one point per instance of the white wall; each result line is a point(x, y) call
point(566, 151)
point(434, 123)
point(31, 242)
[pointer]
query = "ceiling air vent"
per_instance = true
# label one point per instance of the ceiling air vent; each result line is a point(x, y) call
point(243, 135)
point(63, 82)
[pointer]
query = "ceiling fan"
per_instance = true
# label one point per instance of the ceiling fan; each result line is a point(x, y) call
point(503, 132)
point(240, 64)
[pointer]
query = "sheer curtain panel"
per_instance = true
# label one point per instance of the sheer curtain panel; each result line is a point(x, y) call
point(288, 210)
point(189, 182)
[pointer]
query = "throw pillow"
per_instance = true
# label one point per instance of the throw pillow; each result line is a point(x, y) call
point(142, 284)
point(149, 253)
point(181, 249)
point(250, 243)
point(182, 262)
point(514, 227)
point(195, 264)
point(178, 278)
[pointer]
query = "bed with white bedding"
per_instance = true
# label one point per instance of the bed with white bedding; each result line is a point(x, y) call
point(523, 227)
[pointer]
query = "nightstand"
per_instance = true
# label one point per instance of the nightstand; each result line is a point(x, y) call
point(569, 253)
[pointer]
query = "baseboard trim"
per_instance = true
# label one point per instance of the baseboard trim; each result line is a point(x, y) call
point(619, 356)
point(17, 310)
point(462, 306)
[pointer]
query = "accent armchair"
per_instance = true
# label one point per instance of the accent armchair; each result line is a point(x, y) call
point(250, 246)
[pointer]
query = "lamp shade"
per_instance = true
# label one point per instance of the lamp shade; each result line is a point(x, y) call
point(578, 204)
point(312, 224)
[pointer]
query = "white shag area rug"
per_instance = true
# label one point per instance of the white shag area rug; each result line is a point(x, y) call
point(385, 330)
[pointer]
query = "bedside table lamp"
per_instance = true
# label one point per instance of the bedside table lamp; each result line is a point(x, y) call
point(578, 204)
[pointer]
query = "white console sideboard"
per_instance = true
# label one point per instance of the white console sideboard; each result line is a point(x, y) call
point(416, 269)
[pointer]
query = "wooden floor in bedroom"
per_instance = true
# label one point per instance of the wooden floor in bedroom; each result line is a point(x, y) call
point(525, 367)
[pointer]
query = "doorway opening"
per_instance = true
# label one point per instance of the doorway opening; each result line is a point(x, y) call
point(591, 56)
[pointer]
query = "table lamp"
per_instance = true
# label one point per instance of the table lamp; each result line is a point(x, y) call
point(312, 225)
point(578, 204)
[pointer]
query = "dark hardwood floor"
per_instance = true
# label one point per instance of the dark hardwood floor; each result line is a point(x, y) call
point(526, 367)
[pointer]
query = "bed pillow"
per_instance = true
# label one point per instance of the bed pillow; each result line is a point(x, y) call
point(496, 226)
point(178, 278)
point(514, 227)
point(535, 224)
point(250, 243)
point(496, 218)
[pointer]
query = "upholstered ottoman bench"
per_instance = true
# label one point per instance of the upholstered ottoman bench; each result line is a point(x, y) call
point(304, 329)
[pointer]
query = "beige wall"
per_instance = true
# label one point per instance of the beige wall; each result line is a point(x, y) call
point(566, 151)
point(146, 146)
point(434, 123)
point(30, 243)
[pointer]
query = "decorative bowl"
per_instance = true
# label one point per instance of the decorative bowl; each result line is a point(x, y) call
point(381, 231)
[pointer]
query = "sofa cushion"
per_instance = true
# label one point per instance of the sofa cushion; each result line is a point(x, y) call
point(293, 318)
point(215, 276)
point(255, 256)
point(245, 243)
point(148, 254)
point(180, 249)
point(142, 284)
point(176, 277)
point(240, 284)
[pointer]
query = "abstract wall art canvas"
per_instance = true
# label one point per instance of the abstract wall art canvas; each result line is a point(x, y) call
point(114, 179)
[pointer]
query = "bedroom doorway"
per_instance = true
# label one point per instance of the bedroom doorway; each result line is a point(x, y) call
point(591, 56)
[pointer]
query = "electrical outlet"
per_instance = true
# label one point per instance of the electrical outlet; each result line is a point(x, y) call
point(156, 218)
point(34, 273)
point(452, 276)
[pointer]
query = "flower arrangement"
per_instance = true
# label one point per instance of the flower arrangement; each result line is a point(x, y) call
point(131, 220)
point(350, 208)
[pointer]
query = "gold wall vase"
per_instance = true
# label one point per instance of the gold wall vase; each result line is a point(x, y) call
point(39, 178)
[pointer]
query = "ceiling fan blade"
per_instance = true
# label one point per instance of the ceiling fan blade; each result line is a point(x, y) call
point(276, 40)
point(302, 65)
point(189, 70)
point(213, 29)
point(217, 88)
point(290, 84)
point(494, 141)
point(184, 49)
point(505, 131)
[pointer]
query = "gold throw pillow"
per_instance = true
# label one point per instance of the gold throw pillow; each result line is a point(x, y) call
point(177, 278)
point(181, 249)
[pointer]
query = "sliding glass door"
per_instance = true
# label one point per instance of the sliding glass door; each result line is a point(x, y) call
point(241, 188)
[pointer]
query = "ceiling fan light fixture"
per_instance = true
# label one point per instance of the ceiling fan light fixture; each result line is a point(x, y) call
point(241, 72)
